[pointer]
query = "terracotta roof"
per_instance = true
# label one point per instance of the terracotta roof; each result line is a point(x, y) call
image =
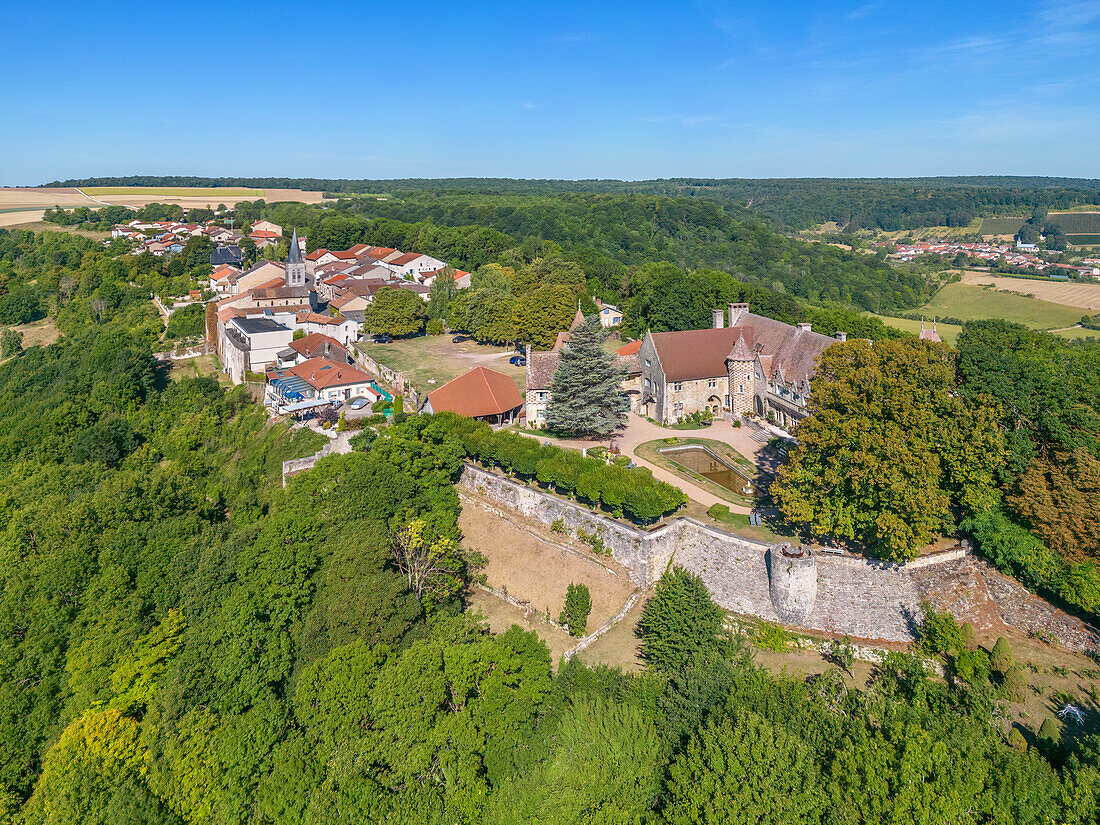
point(578, 319)
point(629, 349)
point(316, 253)
point(315, 343)
point(321, 373)
point(407, 258)
point(381, 252)
point(479, 392)
point(317, 318)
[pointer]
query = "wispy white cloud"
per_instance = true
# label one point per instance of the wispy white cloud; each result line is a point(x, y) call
point(529, 104)
point(859, 12)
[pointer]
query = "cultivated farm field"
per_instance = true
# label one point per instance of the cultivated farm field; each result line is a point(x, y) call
point(1068, 293)
point(26, 205)
point(1001, 226)
point(970, 302)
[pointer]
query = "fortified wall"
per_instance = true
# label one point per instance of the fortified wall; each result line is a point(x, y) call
point(794, 586)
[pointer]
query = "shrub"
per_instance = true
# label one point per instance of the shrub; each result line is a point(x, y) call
point(434, 327)
point(1015, 684)
point(940, 634)
point(380, 405)
point(557, 526)
point(11, 342)
point(398, 405)
point(1049, 733)
point(1016, 740)
point(578, 604)
point(718, 512)
point(972, 666)
point(772, 637)
point(1001, 661)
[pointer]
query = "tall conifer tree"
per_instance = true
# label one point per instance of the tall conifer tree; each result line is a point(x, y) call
point(586, 397)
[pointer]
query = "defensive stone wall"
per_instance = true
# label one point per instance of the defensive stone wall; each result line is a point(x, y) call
point(819, 591)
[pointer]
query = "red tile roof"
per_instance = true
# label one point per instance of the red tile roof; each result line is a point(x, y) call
point(315, 342)
point(321, 373)
point(479, 392)
point(629, 349)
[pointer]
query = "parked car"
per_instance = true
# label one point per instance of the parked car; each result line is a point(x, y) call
point(383, 339)
point(518, 361)
point(358, 402)
point(458, 339)
point(337, 403)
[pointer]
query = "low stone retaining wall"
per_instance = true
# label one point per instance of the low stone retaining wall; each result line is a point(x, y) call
point(184, 354)
point(390, 376)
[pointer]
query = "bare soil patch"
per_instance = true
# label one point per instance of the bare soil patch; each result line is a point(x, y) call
point(430, 361)
point(500, 616)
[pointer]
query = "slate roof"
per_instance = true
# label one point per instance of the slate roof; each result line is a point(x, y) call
point(226, 255)
point(253, 326)
point(295, 254)
point(479, 392)
point(541, 367)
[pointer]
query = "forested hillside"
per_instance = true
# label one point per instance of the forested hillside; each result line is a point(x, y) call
point(883, 203)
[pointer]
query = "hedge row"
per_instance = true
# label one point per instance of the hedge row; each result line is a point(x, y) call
point(625, 492)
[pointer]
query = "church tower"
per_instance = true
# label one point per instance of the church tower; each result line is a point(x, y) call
point(295, 266)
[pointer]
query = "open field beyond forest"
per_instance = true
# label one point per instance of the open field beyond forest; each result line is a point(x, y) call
point(1067, 293)
point(425, 359)
point(530, 563)
point(969, 302)
point(949, 333)
point(20, 206)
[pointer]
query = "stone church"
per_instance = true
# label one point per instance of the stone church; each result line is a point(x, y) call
point(753, 365)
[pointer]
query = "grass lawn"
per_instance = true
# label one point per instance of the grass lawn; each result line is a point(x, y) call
point(649, 452)
point(1078, 332)
point(173, 191)
point(948, 332)
point(46, 226)
point(969, 302)
point(430, 361)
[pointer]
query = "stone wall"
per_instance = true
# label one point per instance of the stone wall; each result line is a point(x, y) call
point(845, 595)
point(392, 377)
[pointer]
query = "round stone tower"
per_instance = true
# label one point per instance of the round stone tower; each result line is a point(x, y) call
point(792, 574)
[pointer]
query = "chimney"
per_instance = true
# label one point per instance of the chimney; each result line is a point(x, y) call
point(738, 313)
point(717, 313)
point(804, 326)
point(841, 336)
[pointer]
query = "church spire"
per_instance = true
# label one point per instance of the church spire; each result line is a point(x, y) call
point(295, 256)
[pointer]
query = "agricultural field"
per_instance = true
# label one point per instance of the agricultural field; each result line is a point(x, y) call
point(170, 192)
point(1077, 223)
point(1069, 293)
point(25, 205)
point(1001, 226)
point(970, 302)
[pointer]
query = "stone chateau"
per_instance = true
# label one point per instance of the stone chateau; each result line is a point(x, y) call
point(753, 365)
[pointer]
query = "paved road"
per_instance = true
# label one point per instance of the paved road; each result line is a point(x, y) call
point(639, 430)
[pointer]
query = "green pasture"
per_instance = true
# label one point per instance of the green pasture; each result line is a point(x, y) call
point(948, 332)
point(969, 302)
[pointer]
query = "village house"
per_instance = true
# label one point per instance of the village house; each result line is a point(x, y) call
point(755, 365)
point(541, 367)
point(411, 264)
point(481, 393)
point(610, 316)
point(251, 344)
point(267, 226)
point(313, 345)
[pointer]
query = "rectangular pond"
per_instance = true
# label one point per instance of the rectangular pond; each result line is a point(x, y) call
point(702, 461)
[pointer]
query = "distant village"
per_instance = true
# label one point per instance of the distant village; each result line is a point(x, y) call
point(1024, 255)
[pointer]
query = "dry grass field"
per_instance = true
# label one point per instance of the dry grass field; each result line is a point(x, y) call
point(430, 361)
point(19, 206)
point(1067, 293)
point(534, 565)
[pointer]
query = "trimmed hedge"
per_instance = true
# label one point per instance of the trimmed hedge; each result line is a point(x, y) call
point(627, 492)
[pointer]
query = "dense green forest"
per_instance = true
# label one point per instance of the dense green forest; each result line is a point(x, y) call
point(883, 203)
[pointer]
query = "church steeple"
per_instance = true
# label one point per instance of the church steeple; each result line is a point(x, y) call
point(295, 266)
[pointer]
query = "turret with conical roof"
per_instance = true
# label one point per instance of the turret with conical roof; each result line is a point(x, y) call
point(295, 266)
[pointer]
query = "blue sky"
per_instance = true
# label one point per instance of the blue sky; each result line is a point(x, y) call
point(550, 89)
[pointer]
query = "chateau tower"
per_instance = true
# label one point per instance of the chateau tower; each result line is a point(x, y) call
point(741, 365)
point(295, 265)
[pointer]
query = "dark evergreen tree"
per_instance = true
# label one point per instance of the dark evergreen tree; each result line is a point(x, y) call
point(586, 397)
point(578, 604)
